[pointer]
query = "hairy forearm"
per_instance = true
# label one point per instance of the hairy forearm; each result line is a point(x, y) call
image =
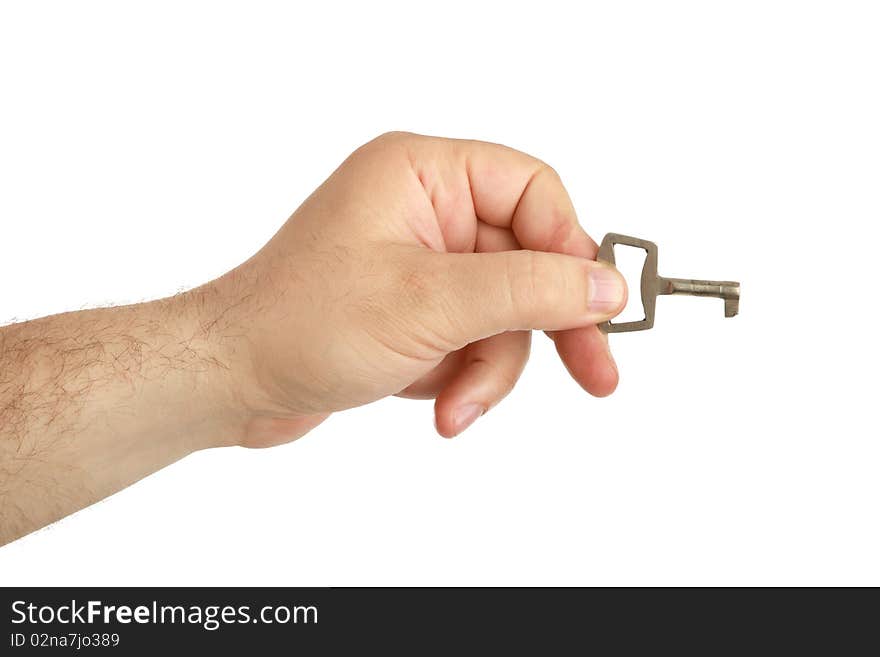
point(92, 401)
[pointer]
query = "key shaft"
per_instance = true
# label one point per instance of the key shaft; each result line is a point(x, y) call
point(727, 290)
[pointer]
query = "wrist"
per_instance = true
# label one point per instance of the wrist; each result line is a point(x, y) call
point(232, 320)
point(219, 371)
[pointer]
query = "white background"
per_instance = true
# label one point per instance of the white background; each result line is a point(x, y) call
point(149, 147)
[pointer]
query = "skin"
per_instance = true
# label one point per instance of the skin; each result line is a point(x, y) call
point(419, 269)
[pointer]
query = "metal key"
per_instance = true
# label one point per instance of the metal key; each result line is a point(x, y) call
point(654, 284)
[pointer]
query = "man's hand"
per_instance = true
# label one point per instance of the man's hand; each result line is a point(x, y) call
point(418, 269)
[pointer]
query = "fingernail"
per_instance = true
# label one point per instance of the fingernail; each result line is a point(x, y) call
point(607, 290)
point(464, 416)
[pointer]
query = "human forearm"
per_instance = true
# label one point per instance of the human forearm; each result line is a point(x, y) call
point(92, 401)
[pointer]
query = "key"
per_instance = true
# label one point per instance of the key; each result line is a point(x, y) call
point(653, 284)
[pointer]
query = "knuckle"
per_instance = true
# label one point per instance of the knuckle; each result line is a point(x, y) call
point(414, 284)
point(416, 297)
point(394, 291)
point(534, 284)
point(393, 137)
point(387, 141)
point(538, 285)
point(544, 173)
point(520, 282)
point(550, 172)
point(501, 377)
point(507, 379)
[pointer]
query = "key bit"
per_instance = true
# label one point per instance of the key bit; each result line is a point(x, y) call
point(653, 284)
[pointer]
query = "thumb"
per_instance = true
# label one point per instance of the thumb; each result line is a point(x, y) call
point(488, 293)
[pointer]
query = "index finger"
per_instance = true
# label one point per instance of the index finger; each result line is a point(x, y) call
point(506, 188)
